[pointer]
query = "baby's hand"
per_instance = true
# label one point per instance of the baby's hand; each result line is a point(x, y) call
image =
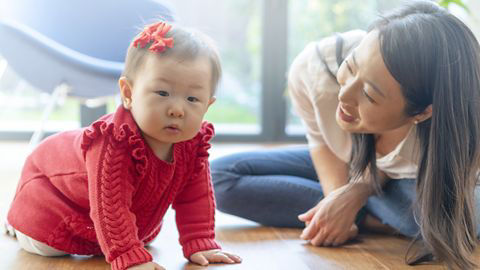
point(146, 266)
point(214, 256)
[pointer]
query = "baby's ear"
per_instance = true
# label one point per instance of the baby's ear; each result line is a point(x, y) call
point(212, 100)
point(125, 92)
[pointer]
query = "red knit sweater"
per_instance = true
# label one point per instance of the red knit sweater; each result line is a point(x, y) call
point(102, 190)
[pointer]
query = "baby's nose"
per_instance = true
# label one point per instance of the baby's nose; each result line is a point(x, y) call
point(176, 111)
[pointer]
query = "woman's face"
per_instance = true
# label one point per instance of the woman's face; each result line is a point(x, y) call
point(370, 99)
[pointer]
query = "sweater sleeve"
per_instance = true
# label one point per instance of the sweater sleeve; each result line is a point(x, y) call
point(110, 195)
point(195, 204)
point(302, 80)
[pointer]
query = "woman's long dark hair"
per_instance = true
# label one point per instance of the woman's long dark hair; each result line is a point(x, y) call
point(435, 58)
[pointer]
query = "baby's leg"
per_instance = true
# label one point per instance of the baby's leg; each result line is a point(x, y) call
point(8, 229)
point(36, 247)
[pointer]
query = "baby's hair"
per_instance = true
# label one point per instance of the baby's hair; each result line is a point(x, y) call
point(188, 45)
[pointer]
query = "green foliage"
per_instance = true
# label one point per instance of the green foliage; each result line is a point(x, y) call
point(230, 113)
point(311, 20)
point(447, 3)
point(242, 49)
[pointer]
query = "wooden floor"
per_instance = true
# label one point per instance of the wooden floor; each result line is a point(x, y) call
point(260, 247)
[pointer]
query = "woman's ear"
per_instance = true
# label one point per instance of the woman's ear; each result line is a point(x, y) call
point(125, 92)
point(426, 114)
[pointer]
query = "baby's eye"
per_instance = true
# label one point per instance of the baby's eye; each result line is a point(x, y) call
point(193, 99)
point(162, 93)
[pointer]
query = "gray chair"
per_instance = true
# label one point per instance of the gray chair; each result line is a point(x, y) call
point(72, 47)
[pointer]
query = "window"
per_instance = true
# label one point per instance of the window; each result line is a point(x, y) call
point(257, 41)
point(235, 27)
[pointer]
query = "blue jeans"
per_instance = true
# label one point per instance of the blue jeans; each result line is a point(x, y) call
point(273, 187)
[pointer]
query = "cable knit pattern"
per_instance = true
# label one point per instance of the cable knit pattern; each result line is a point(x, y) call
point(84, 242)
point(197, 230)
point(111, 209)
point(101, 128)
point(110, 192)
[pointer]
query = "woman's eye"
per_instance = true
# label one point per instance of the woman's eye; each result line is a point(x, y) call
point(349, 67)
point(193, 99)
point(368, 97)
point(162, 93)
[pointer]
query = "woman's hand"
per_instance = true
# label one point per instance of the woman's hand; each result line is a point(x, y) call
point(331, 221)
point(146, 266)
point(214, 256)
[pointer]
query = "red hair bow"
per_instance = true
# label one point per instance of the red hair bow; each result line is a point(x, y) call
point(155, 32)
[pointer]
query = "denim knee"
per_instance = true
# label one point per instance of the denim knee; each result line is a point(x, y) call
point(222, 177)
point(409, 228)
point(222, 182)
point(394, 206)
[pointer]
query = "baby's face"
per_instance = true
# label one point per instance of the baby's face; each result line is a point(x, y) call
point(170, 98)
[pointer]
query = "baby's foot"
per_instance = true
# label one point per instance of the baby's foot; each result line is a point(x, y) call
point(9, 229)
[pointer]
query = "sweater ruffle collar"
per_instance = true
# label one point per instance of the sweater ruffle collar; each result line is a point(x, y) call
point(121, 127)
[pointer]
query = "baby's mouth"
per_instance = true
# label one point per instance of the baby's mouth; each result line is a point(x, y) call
point(172, 128)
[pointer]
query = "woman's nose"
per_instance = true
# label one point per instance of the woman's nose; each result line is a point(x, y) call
point(346, 81)
point(347, 94)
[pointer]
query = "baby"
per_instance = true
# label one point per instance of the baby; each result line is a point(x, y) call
point(105, 189)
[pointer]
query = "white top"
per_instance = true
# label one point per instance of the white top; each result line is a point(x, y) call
point(314, 94)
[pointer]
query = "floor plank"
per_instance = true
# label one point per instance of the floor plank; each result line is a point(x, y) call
point(260, 247)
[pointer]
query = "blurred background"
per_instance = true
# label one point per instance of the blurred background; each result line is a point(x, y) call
point(258, 39)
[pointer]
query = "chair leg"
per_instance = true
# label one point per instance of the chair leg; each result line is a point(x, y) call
point(59, 92)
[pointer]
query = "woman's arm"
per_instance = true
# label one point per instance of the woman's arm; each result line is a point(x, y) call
point(332, 172)
point(331, 221)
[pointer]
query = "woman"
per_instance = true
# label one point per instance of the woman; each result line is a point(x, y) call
point(392, 139)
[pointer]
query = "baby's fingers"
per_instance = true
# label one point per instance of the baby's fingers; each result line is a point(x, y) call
point(234, 257)
point(219, 257)
point(158, 267)
point(199, 258)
